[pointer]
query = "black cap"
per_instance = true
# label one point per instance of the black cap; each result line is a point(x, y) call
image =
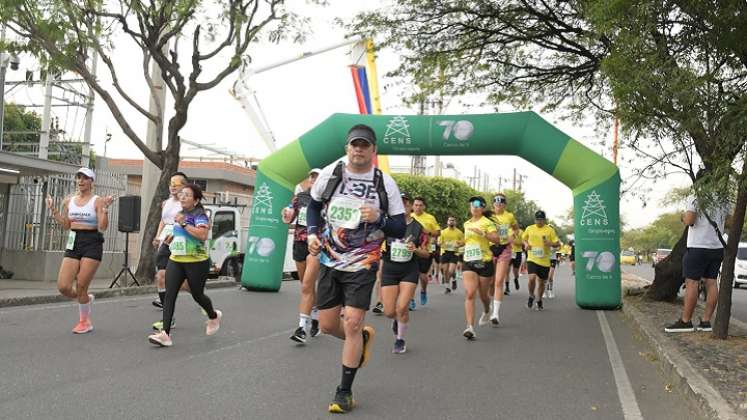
point(405, 196)
point(479, 198)
point(361, 132)
point(540, 215)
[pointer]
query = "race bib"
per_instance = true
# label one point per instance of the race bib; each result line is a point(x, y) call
point(70, 240)
point(399, 252)
point(167, 230)
point(344, 213)
point(450, 246)
point(302, 217)
point(503, 232)
point(178, 246)
point(538, 252)
point(433, 247)
point(472, 252)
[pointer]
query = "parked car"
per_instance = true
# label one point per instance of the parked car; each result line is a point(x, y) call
point(740, 266)
point(628, 257)
point(660, 254)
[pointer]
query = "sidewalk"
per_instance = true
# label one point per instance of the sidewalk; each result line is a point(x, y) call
point(711, 372)
point(29, 292)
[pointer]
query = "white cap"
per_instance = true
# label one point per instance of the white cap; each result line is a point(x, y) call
point(87, 172)
point(315, 171)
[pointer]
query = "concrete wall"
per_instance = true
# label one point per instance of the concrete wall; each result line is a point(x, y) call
point(44, 265)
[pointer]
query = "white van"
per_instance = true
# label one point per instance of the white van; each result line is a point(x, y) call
point(740, 266)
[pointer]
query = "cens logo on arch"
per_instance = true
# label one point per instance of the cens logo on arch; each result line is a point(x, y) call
point(594, 211)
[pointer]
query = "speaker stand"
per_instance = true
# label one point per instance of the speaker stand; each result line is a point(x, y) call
point(125, 271)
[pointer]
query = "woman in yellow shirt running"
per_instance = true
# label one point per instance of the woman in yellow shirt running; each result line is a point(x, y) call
point(478, 269)
point(507, 227)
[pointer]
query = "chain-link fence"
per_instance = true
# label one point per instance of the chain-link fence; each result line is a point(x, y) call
point(29, 225)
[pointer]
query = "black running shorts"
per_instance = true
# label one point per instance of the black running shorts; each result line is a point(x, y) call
point(336, 288)
point(702, 263)
point(540, 270)
point(300, 251)
point(392, 273)
point(88, 244)
point(516, 260)
point(553, 263)
point(424, 264)
point(482, 268)
point(449, 257)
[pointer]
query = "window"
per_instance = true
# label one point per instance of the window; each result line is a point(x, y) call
point(742, 253)
point(223, 222)
point(201, 182)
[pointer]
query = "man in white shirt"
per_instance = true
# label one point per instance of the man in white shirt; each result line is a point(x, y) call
point(702, 261)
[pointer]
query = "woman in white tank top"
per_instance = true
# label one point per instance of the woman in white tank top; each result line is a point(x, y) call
point(85, 215)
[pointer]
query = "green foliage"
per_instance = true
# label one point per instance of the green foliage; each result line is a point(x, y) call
point(444, 196)
point(17, 119)
point(662, 233)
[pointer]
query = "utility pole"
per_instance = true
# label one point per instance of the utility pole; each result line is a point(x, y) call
point(86, 149)
point(46, 123)
point(3, 68)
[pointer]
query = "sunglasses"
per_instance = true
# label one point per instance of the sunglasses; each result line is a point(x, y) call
point(499, 200)
point(476, 204)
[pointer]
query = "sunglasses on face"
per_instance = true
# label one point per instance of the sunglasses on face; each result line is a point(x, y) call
point(476, 204)
point(499, 200)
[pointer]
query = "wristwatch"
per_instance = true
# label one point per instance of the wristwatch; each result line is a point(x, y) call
point(183, 224)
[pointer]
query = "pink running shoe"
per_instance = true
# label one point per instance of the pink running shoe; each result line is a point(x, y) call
point(213, 325)
point(83, 326)
point(160, 339)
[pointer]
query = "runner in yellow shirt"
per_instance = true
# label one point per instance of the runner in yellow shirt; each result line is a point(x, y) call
point(538, 239)
point(450, 240)
point(478, 273)
point(433, 229)
point(507, 228)
point(517, 249)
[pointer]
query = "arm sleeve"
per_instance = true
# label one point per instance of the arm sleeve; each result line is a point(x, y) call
point(314, 216)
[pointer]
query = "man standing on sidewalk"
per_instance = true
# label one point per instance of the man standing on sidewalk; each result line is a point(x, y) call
point(701, 262)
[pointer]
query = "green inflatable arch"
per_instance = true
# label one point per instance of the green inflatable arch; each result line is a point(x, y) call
point(595, 183)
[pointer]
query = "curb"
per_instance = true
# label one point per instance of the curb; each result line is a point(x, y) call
point(694, 386)
point(101, 294)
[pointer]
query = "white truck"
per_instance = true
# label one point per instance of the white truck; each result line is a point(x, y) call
point(227, 242)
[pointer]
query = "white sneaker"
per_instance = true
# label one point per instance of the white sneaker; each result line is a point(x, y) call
point(544, 295)
point(213, 325)
point(484, 319)
point(551, 294)
point(160, 339)
point(494, 322)
point(469, 333)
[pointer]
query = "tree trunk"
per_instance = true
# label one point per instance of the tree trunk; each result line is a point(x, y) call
point(723, 310)
point(146, 267)
point(668, 273)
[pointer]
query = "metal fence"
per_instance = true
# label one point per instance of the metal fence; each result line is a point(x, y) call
point(29, 226)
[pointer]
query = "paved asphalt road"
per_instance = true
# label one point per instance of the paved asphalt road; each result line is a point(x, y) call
point(537, 365)
point(738, 296)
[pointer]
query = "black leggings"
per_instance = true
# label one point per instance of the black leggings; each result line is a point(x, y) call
point(196, 275)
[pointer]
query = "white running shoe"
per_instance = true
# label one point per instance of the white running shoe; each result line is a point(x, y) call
point(160, 339)
point(469, 333)
point(213, 325)
point(484, 319)
point(494, 322)
point(551, 294)
point(544, 295)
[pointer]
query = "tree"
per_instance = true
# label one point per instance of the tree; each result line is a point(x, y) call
point(20, 126)
point(444, 196)
point(672, 71)
point(196, 44)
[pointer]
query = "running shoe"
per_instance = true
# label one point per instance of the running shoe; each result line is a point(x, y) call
point(83, 326)
point(516, 283)
point(399, 346)
point(453, 285)
point(378, 309)
point(395, 327)
point(423, 298)
point(494, 322)
point(540, 305)
point(469, 333)
point(158, 304)
point(342, 403)
point(551, 294)
point(314, 328)
point(530, 302)
point(299, 336)
point(447, 291)
point(160, 339)
point(484, 319)
point(506, 290)
point(544, 295)
point(158, 325)
point(412, 304)
point(213, 325)
point(680, 326)
point(368, 336)
point(705, 326)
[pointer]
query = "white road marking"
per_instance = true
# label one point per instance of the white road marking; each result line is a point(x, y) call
point(630, 408)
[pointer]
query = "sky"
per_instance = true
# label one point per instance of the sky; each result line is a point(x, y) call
point(296, 97)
